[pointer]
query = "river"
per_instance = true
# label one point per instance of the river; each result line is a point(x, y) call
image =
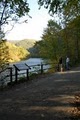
point(30, 62)
point(34, 61)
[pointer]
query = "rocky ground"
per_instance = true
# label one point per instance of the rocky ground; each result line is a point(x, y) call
point(54, 96)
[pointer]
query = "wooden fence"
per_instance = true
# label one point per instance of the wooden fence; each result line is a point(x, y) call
point(14, 73)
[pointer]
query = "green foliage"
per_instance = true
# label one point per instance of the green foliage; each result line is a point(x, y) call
point(66, 10)
point(53, 5)
point(58, 42)
point(71, 35)
point(66, 41)
point(72, 9)
point(51, 45)
point(11, 11)
point(60, 6)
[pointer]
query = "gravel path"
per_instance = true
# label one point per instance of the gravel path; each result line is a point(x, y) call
point(48, 97)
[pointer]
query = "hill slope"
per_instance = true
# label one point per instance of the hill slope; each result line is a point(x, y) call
point(9, 52)
point(26, 43)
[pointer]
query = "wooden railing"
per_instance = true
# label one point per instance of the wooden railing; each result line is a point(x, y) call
point(13, 74)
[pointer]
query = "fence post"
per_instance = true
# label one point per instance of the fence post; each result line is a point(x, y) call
point(27, 74)
point(41, 68)
point(16, 75)
point(11, 74)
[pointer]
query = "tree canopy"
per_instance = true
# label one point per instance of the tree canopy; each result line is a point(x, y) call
point(12, 10)
point(55, 6)
point(61, 42)
point(67, 10)
point(50, 47)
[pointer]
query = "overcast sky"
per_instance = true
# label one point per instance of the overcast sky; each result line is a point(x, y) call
point(35, 26)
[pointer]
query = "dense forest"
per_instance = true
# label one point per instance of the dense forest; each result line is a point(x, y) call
point(62, 38)
point(61, 42)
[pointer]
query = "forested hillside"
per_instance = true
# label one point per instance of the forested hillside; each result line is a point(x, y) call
point(9, 52)
point(30, 45)
point(26, 43)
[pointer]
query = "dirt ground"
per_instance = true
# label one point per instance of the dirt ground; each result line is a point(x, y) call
point(47, 97)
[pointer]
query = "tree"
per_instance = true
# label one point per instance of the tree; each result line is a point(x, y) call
point(74, 36)
point(12, 10)
point(4, 53)
point(72, 9)
point(51, 45)
point(67, 10)
point(54, 6)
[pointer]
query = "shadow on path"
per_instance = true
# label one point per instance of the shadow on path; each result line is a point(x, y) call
point(50, 97)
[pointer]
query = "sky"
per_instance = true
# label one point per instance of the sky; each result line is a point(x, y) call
point(33, 29)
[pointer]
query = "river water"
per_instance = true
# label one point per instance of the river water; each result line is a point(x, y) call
point(32, 62)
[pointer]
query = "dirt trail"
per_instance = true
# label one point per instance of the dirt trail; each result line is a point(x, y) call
point(49, 97)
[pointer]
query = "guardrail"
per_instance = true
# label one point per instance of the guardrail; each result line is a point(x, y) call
point(14, 73)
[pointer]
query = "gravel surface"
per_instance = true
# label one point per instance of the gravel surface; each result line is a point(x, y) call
point(47, 97)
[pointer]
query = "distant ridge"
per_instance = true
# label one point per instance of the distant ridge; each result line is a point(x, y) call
point(29, 45)
point(25, 43)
